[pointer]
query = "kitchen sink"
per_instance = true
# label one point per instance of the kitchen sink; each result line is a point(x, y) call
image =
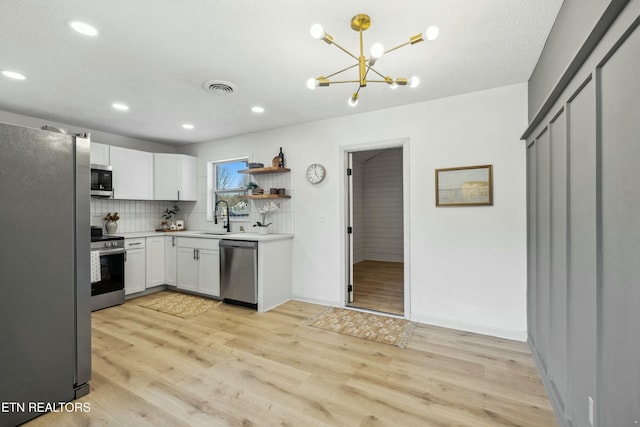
point(216, 233)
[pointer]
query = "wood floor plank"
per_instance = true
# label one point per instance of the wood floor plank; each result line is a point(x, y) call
point(379, 286)
point(232, 366)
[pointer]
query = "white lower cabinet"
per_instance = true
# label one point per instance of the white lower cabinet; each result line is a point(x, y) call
point(134, 266)
point(155, 261)
point(198, 265)
point(170, 259)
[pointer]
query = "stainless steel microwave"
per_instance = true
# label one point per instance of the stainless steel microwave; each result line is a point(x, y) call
point(101, 181)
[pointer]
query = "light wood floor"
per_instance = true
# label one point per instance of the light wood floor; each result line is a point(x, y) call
point(233, 366)
point(379, 285)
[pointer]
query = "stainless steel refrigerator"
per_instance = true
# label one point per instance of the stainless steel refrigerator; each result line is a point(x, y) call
point(45, 317)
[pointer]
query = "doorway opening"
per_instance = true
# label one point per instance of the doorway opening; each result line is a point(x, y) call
point(375, 232)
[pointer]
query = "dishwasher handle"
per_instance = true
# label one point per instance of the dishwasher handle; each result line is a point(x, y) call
point(248, 244)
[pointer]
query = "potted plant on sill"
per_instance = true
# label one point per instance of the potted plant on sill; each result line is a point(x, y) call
point(263, 226)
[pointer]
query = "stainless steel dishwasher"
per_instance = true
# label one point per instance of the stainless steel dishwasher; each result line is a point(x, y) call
point(239, 272)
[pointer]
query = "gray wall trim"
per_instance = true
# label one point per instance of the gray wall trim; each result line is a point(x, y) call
point(619, 43)
point(582, 86)
point(598, 106)
point(602, 26)
point(548, 386)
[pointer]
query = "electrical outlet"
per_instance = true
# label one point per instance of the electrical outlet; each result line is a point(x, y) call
point(590, 410)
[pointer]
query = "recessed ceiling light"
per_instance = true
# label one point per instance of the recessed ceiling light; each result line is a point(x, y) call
point(257, 109)
point(119, 106)
point(83, 28)
point(13, 75)
point(187, 126)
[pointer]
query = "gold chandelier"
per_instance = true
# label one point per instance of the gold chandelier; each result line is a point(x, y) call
point(361, 23)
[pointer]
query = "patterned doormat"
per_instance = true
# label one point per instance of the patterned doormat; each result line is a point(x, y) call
point(181, 305)
point(373, 327)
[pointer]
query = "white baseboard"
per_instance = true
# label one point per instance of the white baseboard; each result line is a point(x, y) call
point(317, 301)
point(476, 329)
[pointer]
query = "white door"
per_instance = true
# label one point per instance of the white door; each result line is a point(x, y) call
point(155, 261)
point(170, 254)
point(134, 271)
point(187, 269)
point(208, 272)
point(350, 283)
point(375, 219)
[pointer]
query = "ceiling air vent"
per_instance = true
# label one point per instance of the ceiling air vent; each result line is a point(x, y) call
point(219, 87)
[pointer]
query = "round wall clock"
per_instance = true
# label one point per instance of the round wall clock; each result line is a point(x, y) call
point(315, 173)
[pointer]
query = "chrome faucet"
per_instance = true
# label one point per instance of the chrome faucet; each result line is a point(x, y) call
point(215, 215)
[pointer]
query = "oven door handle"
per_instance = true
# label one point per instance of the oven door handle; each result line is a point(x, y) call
point(111, 251)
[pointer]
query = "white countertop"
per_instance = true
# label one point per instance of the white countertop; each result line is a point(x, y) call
point(202, 235)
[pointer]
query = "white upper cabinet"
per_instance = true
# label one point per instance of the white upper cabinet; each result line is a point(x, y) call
point(99, 154)
point(174, 177)
point(132, 174)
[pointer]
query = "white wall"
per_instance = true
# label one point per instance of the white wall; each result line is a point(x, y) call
point(467, 265)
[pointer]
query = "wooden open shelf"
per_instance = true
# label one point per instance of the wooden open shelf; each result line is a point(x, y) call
point(266, 196)
point(259, 171)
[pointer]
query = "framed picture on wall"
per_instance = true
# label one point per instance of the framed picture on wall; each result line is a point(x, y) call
point(465, 186)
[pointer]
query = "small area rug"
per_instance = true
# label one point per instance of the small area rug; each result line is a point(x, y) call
point(373, 327)
point(181, 305)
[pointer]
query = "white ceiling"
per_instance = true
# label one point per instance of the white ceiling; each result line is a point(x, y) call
point(155, 55)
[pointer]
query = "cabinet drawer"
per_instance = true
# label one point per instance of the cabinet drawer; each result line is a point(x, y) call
point(196, 243)
point(134, 243)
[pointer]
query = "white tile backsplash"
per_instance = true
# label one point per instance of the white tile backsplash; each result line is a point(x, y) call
point(146, 215)
point(135, 215)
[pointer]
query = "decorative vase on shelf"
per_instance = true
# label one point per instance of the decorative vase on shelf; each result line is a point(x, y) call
point(111, 227)
point(263, 230)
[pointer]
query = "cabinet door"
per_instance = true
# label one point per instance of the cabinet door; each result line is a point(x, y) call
point(187, 181)
point(170, 254)
point(165, 177)
point(209, 272)
point(132, 174)
point(99, 154)
point(134, 271)
point(155, 261)
point(187, 269)
point(174, 177)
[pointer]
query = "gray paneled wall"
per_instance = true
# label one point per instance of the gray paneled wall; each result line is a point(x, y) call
point(382, 207)
point(619, 106)
point(583, 175)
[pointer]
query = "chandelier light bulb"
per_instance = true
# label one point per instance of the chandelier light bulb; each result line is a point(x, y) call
point(432, 32)
point(414, 82)
point(312, 83)
point(317, 32)
point(377, 50)
point(353, 100)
